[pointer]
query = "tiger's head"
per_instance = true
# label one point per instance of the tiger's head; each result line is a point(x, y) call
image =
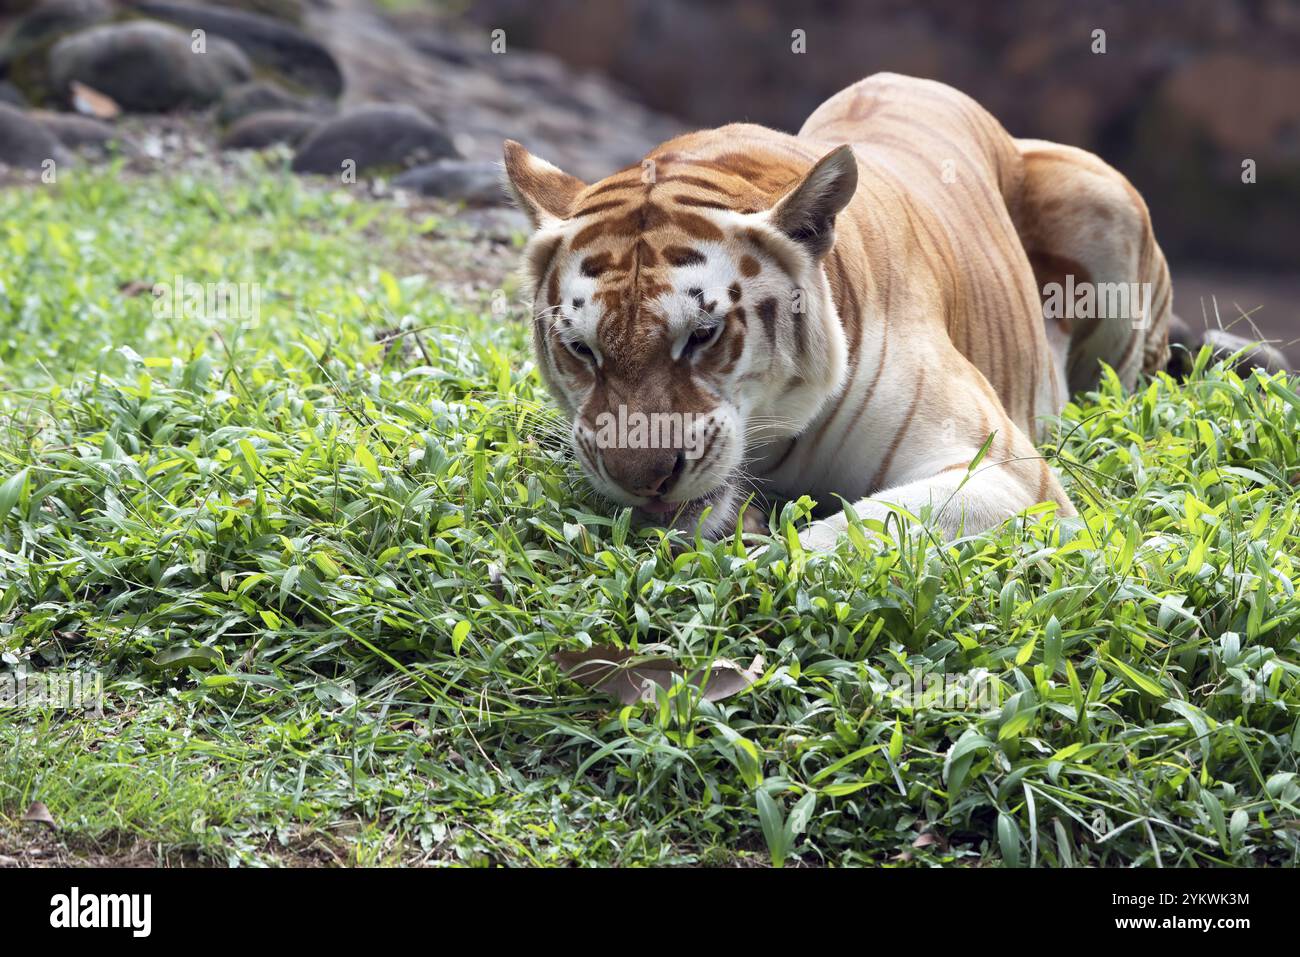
point(682, 318)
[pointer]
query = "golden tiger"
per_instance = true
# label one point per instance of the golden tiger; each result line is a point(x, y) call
point(851, 313)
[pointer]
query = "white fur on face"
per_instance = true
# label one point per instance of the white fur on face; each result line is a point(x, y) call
point(750, 388)
point(577, 305)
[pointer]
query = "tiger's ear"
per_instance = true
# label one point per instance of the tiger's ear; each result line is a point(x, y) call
point(544, 192)
point(807, 213)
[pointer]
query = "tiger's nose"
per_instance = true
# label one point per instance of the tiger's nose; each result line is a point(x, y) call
point(648, 472)
point(660, 484)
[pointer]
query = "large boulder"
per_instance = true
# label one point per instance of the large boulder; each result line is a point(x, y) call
point(146, 66)
point(25, 49)
point(271, 44)
point(377, 138)
point(261, 130)
point(25, 143)
point(48, 20)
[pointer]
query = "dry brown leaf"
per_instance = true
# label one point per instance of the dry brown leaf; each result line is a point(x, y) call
point(38, 813)
point(134, 288)
point(91, 102)
point(928, 837)
point(631, 677)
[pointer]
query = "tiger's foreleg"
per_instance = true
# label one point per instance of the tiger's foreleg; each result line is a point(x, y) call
point(968, 469)
point(953, 503)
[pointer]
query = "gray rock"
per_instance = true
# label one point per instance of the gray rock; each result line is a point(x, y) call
point(48, 20)
point(482, 99)
point(272, 44)
point(11, 94)
point(259, 96)
point(377, 138)
point(1257, 355)
point(1186, 342)
point(503, 225)
point(261, 130)
point(446, 48)
point(80, 132)
point(25, 143)
point(288, 10)
point(476, 182)
point(147, 67)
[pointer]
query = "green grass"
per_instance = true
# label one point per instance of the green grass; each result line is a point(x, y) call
point(323, 578)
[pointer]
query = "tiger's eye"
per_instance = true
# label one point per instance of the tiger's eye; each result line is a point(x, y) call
point(581, 350)
point(702, 337)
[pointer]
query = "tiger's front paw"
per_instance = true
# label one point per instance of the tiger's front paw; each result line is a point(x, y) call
point(879, 523)
point(824, 535)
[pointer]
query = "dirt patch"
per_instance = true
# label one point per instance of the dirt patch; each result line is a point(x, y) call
point(36, 845)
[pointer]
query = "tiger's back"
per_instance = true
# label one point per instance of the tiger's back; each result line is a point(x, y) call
point(939, 173)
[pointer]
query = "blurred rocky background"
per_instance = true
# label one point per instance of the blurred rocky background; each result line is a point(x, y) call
point(426, 90)
point(1186, 91)
point(393, 87)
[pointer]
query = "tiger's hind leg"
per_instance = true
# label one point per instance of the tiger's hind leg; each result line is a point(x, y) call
point(1085, 228)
